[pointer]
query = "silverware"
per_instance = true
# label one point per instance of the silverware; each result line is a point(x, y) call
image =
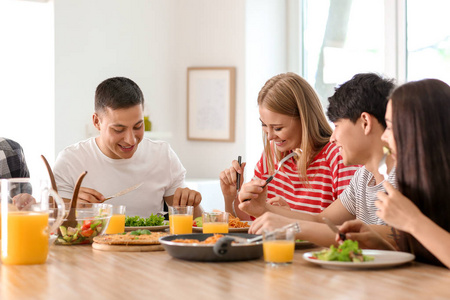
point(125, 191)
point(382, 167)
point(222, 246)
point(334, 228)
point(292, 154)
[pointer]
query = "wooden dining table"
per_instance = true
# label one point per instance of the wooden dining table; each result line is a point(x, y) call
point(81, 272)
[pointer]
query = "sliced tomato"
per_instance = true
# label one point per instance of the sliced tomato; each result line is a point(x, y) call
point(86, 224)
point(87, 232)
point(194, 224)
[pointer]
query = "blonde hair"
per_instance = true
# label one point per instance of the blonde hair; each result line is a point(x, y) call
point(291, 95)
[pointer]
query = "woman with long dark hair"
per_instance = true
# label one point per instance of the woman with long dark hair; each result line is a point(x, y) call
point(418, 134)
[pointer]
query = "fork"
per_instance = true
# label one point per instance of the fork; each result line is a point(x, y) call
point(382, 167)
point(278, 169)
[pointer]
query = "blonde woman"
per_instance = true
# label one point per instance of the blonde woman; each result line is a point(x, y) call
point(292, 120)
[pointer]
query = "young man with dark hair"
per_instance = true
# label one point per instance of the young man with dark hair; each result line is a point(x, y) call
point(357, 109)
point(121, 157)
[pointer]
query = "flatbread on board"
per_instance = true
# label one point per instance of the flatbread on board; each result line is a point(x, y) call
point(129, 239)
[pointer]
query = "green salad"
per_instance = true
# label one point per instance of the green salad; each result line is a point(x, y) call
point(348, 251)
point(153, 220)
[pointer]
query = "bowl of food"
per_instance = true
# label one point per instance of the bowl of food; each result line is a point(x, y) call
point(91, 221)
point(200, 247)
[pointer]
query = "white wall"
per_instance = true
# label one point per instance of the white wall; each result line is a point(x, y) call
point(27, 79)
point(152, 42)
point(266, 56)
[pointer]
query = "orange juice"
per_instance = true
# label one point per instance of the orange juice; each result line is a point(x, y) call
point(26, 238)
point(116, 224)
point(180, 224)
point(278, 251)
point(215, 227)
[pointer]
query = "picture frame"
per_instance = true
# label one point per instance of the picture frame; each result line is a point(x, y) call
point(211, 103)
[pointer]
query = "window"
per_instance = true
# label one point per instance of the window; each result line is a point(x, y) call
point(340, 39)
point(403, 39)
point(428, 39)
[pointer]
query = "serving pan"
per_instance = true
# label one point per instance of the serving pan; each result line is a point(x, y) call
point(205, 252)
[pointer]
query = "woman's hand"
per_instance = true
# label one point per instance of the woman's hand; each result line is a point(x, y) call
point(252, 190)
point(228, 179)
point(396, 210)
point(279, 201)
point(367, 238)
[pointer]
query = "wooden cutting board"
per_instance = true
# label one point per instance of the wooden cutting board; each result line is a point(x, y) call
point(127, 248)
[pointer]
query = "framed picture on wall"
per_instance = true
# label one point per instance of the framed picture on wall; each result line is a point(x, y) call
point(211, 103)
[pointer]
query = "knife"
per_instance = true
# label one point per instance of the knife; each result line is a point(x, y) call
point(125, 191)
point(334, 228)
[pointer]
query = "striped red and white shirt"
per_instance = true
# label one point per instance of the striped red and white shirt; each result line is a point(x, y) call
point(327, 176)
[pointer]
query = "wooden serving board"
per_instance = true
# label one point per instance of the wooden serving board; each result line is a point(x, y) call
point(127, 248)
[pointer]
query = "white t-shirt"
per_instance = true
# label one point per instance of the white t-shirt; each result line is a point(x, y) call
point(154, 163)
point(360, 195)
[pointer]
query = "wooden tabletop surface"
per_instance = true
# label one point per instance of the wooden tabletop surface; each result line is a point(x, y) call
point(80, 272)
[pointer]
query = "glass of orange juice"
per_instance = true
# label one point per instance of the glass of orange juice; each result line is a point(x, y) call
point(117, 221)
point(181, 219)
point(215, 222)
point(278, 246)
point(25, 210)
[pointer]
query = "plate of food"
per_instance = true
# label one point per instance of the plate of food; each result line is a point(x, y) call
point(349, 256)
point(133, 241)
point(200, 247)
point(234, 225)
point(152, 223)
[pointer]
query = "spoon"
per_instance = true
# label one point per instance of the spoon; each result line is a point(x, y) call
point(50, 173)
point(52, 180)
point(279, 167)
point(71, 216)
point(382, 167)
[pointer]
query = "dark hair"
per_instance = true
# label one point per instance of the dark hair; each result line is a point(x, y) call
point(365, 92)
point(116, 93)
point(421, 123)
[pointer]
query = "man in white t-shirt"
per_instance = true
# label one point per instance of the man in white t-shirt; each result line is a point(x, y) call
point(121, 157)
point(357, 109)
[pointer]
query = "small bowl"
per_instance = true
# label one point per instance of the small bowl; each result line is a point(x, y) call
point(92, 221)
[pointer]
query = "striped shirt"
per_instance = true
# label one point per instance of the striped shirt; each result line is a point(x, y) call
point(360, 196)
point(327, 176)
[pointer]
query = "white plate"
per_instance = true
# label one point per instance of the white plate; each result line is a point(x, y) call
point(151, 228)
point(382, 259)
point(200, 229)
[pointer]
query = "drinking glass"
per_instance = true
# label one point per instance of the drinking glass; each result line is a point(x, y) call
point(215, 222)
point(278, 246)
point(117, 221)
point(181, 219)
point(25, 224)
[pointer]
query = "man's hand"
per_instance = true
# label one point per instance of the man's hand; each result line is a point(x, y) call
point(87, 195)
point(186, 197)
point(269, 221)
point(23, 201)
